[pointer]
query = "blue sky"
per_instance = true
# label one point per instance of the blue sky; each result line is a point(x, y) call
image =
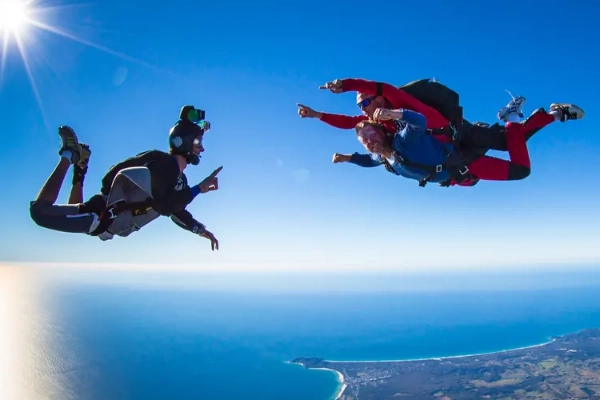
point(282, 204)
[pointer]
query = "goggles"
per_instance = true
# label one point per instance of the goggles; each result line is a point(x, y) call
point(366, 102)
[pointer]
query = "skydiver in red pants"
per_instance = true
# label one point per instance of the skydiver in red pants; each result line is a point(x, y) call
point(414, 154)
point(372, 95)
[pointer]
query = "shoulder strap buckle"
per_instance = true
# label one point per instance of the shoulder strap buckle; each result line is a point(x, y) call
point(111, 213)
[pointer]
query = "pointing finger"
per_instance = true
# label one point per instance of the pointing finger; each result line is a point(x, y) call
point(216, 171)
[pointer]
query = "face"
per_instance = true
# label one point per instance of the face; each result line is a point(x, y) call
point(368, 104)
point(373, 139)
point(198, 147)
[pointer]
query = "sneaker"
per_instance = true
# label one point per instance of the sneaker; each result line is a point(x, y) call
point(567, 111)
point(515, 106)
point(84, 157)
point(70, 143)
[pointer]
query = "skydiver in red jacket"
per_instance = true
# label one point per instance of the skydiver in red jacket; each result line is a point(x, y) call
point(391, 97)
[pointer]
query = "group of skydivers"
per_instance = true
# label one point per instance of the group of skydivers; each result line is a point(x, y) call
point(416, 131)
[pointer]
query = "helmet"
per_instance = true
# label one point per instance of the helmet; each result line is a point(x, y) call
point(183, 134)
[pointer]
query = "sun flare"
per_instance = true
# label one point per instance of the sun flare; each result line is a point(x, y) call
point(25, 26)
point(13, 15)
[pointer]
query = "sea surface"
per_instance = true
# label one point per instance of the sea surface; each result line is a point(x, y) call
point(85, 340)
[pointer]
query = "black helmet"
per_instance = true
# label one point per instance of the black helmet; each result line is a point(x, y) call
point(184, 132)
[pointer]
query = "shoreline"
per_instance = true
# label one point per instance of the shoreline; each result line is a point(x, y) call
point(340, 376)
point(444, 357)
point(344, 385)
point(341, 380)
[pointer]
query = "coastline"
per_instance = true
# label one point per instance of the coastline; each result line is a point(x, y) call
point(343, 385)
point(341, 380)
point(445, 357)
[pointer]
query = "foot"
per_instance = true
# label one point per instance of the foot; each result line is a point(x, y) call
point(70, 144)
point(84, 157)
point(80, 167)
point(515, 106)
point(566, 111)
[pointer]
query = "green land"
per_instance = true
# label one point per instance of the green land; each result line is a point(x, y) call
point(566, 368)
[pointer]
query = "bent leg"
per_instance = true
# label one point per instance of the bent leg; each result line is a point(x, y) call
point(51, 188)
point(494, 137)
point(482, 136)
point(495, 169)
point(62, 217)
point(79, 170)
point(65, 218)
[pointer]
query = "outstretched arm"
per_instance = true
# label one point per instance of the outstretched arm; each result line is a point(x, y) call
point(336, 120)
point(185, 220)
point(365, 160)
point(397, 97)
point(342, 121)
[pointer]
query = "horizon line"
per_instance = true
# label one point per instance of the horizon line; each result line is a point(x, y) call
point(286, 267)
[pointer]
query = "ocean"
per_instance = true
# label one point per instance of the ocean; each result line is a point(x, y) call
point(90, 340)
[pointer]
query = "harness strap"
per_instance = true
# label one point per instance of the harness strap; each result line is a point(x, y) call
point(110, 213)
point(456, 165)
point(379, 90)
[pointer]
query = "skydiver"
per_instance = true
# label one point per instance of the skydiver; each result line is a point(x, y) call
point(134, 191)
point(412, 153)
point(372, 95)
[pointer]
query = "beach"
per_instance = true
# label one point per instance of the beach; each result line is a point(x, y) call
point(445, 357)
point(340, 380)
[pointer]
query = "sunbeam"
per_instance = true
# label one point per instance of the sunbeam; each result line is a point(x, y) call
point(36, 92)
point(74, 38)
point(22, 20)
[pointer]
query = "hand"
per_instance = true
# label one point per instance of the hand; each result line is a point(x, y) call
point(383, 114)
point(307, 112)
point(333, 87)
point(214, 243)
point(338, 158)
point(211, 182)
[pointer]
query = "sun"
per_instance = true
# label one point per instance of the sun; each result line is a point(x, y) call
point(13, 15)
point(22, 24)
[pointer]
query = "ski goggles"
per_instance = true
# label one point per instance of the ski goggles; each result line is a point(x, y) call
point(366, 102)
